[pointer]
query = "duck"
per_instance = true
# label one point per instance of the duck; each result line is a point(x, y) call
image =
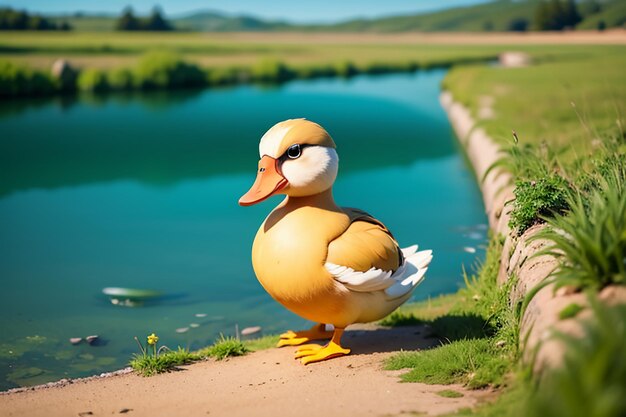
point(334, 266)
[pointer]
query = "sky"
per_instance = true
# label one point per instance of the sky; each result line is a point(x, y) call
point(293, 10)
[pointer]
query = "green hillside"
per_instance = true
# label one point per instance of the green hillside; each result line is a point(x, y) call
point(218, 22)
point(496, 16)
point(499, 15)
point(612, 14)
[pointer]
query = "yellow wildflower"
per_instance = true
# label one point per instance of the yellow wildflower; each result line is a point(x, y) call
point(153, 339)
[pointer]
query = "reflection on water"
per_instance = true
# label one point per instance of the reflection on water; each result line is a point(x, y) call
point(140, 191)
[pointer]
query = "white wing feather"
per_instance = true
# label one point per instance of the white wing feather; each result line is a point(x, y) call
point(395, 284)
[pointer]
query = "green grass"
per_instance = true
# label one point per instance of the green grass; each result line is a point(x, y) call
point(224, 347)
point(477, 326)
point(569, 98)
point(148, 364)
point(261, 343)
point(590, 240)
point(448, 393)
point(570, 311)
point(475, 363)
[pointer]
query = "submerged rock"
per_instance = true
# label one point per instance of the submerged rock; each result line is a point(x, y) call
point(92, 339)
point(75, 340)
point(250, 330)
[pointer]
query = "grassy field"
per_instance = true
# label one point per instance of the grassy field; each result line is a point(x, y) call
point(567, 99)
point(108, 50)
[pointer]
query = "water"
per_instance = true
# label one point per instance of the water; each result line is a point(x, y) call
point(141, 191)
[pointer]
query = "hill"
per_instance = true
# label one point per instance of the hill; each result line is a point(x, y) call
point(499, 15)
point(211, 21)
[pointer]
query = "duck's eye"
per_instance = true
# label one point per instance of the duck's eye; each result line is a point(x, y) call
point(294, 151)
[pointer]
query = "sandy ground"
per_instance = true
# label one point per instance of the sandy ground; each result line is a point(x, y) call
point(265, 383)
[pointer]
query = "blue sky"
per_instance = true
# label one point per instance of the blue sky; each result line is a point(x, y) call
point(293, 10)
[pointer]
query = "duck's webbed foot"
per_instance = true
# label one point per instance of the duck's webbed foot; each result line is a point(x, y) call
point(317, 332)
point(316, 353)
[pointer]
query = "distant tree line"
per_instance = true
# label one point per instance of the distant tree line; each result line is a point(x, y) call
point(553, 15)
point(20, 20)
point(154, 22)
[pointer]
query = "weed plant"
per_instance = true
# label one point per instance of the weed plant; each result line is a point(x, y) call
point(590, 239)
point(166, 360)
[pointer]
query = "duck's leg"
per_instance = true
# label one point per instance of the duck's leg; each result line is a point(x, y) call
point(316, 353)
point(291, 338)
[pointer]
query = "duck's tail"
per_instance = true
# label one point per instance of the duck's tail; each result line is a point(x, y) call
point(411, 273)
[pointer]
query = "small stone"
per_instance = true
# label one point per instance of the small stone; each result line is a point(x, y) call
point(75, 340)
point(182, 329)
point(125, 410)
point(92, 339)
point(250, 330)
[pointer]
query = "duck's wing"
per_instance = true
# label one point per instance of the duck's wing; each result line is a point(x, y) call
point(366, 258)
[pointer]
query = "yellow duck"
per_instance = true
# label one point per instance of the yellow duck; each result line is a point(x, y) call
point(328, 264)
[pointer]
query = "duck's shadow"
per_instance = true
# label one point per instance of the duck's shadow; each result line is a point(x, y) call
point(366, 340)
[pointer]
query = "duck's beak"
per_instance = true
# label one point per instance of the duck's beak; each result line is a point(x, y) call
point(268, 182)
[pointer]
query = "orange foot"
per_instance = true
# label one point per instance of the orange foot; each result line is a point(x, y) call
point(316, 353)
point(291, 338)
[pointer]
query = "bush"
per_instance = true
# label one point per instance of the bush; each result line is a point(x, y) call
point(167, 70)
point(271, 71)
point(93, 80)
point(21, 81)
point(223, 76)
point(590, 240)
point(121, 79)
point(345, 69)
point(536, 200)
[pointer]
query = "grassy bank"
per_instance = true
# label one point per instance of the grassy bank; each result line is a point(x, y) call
point(568, 165)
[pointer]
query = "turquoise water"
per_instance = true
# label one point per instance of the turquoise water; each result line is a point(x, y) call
point(141, 191)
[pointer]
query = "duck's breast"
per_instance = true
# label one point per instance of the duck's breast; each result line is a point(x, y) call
point(290, 250)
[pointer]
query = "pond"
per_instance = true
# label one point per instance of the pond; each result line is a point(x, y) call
point(141, 191)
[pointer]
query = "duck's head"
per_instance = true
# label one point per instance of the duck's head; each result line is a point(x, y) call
point(298, 158)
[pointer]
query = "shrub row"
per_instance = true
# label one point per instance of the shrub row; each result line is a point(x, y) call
point(165, 70)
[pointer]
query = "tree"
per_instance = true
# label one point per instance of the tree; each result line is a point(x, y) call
point(518, 24)
point(156, 21)
point(127, 20)
point(571, 17)
point(556, 15)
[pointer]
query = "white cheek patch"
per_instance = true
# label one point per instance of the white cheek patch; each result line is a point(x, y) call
point(270, 142)
point(314, 171)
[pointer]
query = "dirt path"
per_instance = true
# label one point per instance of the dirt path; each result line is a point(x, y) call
point(265, 383)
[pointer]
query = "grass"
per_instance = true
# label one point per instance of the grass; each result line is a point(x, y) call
point(224, 347)
point(477, 326)
point(147, 364)
point(448, 393)
point(589, 240)
point(547, 101)
point(570, 172)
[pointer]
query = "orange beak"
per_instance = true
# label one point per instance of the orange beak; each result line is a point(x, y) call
point(268, 182)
